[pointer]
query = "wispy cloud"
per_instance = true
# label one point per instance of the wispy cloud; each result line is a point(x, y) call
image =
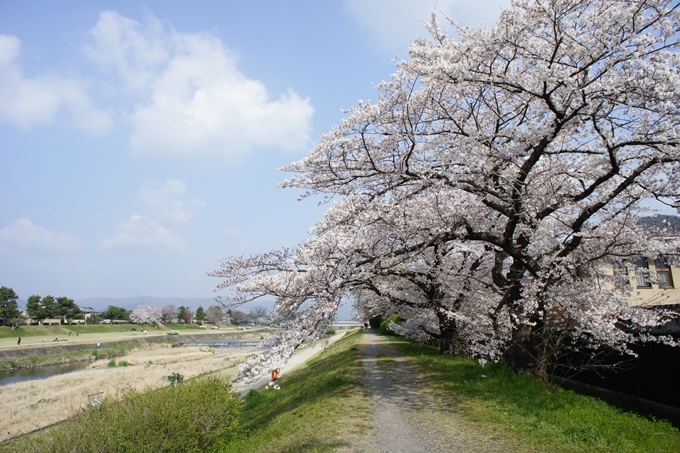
point(138, 231)
point(37, 101)
point(23, 233)
point(169, 200)
point(392, 24)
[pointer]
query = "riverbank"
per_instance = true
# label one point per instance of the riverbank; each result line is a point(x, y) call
point(84, 348)
point(31, 405)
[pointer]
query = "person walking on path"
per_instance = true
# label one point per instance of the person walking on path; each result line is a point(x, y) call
point(19, 342)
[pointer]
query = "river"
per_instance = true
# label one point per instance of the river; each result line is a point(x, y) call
point(27, 374)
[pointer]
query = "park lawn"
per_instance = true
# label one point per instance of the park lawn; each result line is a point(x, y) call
point(540, 417)
point(320, 407)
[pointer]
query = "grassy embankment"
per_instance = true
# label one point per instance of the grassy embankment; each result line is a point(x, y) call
point(83, 355)
point(318, 409)
point(63, 330)
point(322, 407)
point(30, 405)
point(539, 417)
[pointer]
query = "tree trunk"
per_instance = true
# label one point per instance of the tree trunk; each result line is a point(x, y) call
point(520, 356)
point(449, 342)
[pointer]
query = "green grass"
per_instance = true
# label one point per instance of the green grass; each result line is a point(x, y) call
point(539, 417)
point(319, 408)
point(196, 416)
point(385, 361)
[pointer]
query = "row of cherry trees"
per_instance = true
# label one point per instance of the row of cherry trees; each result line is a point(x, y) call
point(150, 314)
point(478, 193)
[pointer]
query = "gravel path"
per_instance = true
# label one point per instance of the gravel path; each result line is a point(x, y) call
point(407, 419)
point(390, 380)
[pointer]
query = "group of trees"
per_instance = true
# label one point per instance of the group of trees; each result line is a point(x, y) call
point(50, 307)
point(149, 314)
point(9, 309)
point(46, 307)
point(478, 194)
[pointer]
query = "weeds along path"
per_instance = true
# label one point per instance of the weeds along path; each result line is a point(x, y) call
point(405, 418)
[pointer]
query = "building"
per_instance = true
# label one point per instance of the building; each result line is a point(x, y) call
point(88, 312)
point(653, 281)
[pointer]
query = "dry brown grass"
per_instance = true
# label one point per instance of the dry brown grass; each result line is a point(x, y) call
point(26, 406)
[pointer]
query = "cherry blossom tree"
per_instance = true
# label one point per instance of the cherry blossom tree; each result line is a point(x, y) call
point(146, 314)
point(493, 173)
point(170, 313)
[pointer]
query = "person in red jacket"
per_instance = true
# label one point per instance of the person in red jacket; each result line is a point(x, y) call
point(275, 376)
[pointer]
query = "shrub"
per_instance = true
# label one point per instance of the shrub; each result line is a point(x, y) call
point(199, 416)
point(112, 363)
point(330, 332)
point(384, 330)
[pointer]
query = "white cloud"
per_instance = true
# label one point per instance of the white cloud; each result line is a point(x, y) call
point(133, 52)
point(138, 231)
point(394, 23)
point(199, 104)
point(34, 102)
point(168, 200)
point(25, 234)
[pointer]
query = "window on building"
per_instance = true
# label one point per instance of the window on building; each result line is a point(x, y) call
point(621, 281)
point(663, 273)
point(642, 273)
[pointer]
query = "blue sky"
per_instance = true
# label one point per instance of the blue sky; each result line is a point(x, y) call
point(141, 141)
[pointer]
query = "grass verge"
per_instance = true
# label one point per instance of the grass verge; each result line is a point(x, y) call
point(197, 416)
point(538, 417)
point(320, 408)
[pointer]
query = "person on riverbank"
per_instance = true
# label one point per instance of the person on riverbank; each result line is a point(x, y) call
point(19, 342)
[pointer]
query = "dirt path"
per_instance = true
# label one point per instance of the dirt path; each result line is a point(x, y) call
point(390, 380)
point(408, 420)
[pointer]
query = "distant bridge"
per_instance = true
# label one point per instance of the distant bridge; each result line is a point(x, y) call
point(345, 325)
point(232, 343)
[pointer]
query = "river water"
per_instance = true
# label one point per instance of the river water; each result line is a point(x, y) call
point(28, 374)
